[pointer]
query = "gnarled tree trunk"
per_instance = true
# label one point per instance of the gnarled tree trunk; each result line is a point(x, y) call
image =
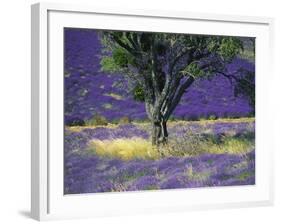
point(159, 133)
point(159, 106)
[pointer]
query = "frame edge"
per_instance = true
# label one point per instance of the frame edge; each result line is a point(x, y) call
point(39, 143)
point(35, 176)
point(39, 169)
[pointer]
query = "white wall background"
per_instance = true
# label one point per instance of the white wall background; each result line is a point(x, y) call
point(15, 111)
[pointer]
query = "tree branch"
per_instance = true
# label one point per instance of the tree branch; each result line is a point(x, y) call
point(180, 92)
point(123, 45)
point(154, 74)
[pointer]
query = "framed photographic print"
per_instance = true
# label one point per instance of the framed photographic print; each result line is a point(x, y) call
point(151, 111)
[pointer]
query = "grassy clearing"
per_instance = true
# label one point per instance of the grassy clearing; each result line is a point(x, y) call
point(219, 120)
point(114, 96)
point(193, 146)
point(134, 148)
point(232, 146)
point(138, 148)
point(189, 142)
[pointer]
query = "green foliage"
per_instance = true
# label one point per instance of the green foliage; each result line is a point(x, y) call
point(119, 60)
point(248, 55)
point(138, 94)
point(230, 47)
point(108, 65)
point(194, 70)
point(120, 57)
point(244, 175)
point(213, 44)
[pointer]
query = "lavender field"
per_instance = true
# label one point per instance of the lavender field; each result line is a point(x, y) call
point(109, 146)
point(90, 92)
point(219, 153)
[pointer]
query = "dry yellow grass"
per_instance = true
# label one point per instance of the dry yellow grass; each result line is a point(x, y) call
point(114, 95)
point(231, 146)
point(134, 148)
point(206, 121)
point(138, 148)
point(81, 128)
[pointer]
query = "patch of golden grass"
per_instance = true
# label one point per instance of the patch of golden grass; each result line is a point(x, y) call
point(204, 122)
point(114, 95)
point(138, 148)
point(107, 105)
point(237, 147)
point(81, 128)
point(231, 146)
point(134, 148)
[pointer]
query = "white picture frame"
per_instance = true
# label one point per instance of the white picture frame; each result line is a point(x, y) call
point(48, 201)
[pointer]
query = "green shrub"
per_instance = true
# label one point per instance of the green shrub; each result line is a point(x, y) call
point(75, 122)
point(138, 93)
point(97, 120)
point(213, 117)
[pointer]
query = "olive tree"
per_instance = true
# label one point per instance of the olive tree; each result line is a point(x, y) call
point(162, 66)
